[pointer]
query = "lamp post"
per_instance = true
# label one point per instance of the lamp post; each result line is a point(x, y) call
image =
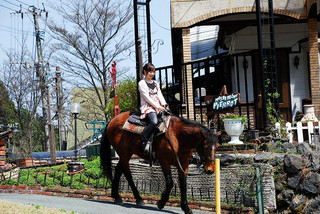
point(75, 110)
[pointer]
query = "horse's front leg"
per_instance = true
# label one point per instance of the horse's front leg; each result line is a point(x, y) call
point(166, 192)
point(183, 192)
point(115, 184)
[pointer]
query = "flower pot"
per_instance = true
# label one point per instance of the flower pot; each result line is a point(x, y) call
point(234, 128)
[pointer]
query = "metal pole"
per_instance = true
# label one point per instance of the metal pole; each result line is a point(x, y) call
point(260, 46)
point(137, 43)
point(149, 31)
point(75, 136)
point(259, 190)
point(217, 185)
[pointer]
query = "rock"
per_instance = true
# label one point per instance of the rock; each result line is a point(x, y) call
point(284, 198)
point(298, 202)
point(304, 148)
point(274, 147)
point(226, 159)
point(293, 182)
point(292, 164)
point(262, 157)
point(289, 148)
point(276, 159)
point(279, 185)
point(310, 183)
point(313, 206)
point(313, 161)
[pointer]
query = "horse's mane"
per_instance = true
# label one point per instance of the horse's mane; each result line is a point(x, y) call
point(211, 138)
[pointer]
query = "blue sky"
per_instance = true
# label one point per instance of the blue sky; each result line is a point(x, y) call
point(11, 28)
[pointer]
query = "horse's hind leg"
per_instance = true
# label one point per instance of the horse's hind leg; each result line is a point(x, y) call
point(127, 173)
point(115, 184)
point(166, 192)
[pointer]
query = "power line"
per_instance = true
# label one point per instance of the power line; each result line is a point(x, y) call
point(159, 24)
point(10, 29)
point(7, 7)
point(22, 3)
point(11, 3)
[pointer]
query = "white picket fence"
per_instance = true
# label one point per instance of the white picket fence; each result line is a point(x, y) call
point(299, 129)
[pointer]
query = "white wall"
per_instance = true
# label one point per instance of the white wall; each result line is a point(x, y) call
point(235, 87)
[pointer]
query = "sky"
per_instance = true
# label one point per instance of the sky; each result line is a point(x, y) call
point(11, 28)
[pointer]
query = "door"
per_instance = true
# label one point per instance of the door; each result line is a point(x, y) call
point(283, 87)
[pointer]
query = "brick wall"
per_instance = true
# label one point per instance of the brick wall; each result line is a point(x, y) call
point(314, 64)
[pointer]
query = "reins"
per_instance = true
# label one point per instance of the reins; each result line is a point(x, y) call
point(170, 143)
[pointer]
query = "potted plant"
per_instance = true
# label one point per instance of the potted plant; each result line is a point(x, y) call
point(234, 124)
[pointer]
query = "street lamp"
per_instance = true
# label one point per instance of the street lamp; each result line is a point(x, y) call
point(75, 110)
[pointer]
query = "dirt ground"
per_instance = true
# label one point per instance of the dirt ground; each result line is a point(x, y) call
point(16, 208)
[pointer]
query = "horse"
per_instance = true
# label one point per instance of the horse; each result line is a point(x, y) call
point(184, 135)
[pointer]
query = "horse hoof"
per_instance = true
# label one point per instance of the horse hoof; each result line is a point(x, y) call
point(160, 205)
point(140, 202)
point(188, 212)
point(118, 201)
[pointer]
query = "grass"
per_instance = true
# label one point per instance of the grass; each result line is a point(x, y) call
point(7, 207)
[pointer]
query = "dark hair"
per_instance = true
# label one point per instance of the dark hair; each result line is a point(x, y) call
point(148, 67)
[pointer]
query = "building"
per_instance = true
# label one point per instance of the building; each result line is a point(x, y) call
point(284, 37)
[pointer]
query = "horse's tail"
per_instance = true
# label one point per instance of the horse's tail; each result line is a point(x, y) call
point(105, 155)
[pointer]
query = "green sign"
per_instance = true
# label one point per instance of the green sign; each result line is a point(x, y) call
point(226, 101)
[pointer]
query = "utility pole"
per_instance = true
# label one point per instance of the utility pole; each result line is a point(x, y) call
point(41, 75)
point(44, 87)
point(60, 109)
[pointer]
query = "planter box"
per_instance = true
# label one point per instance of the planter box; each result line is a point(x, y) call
point(26, 162)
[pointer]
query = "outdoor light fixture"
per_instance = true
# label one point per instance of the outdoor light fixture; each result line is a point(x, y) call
point(75, 110)
point(245, 63)
point(296, 62)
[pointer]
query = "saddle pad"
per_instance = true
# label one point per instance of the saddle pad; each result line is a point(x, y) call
point(138, 129)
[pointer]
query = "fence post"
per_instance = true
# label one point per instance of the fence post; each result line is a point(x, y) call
point(299, 132)
point(310, 131)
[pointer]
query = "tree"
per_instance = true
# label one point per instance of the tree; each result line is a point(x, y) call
point(24, 92)
point(6, 108)
point(91, 37)
point(127, 96)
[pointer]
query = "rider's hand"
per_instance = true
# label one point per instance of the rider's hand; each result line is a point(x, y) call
point(161, 108)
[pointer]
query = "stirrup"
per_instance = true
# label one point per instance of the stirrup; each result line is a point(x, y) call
point(146, 149)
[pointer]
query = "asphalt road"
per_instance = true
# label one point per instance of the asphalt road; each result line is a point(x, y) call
point(90, 206)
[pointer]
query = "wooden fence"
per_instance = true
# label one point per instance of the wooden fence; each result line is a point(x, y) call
point(302, 131)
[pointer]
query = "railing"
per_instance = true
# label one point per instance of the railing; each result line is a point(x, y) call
point(310, 130)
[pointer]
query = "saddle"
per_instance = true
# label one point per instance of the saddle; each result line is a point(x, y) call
point(136, 125)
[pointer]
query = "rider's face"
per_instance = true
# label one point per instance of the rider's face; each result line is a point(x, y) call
point(149, 75)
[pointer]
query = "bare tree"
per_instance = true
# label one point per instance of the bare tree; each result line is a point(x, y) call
point(91, 36)
point(19, 77)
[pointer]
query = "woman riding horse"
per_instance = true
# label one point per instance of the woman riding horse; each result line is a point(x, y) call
point(152, 103)
point(175, 147)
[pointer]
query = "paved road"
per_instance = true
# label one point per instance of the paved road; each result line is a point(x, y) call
point(90, 206)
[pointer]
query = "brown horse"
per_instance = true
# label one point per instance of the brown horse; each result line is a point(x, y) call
point(185, 135)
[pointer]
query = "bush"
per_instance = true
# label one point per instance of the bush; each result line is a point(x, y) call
point(10, 182)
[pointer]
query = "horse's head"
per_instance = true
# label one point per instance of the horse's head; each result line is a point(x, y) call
point(207, 150)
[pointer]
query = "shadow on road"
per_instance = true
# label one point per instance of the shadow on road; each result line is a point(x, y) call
point(130, 205)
